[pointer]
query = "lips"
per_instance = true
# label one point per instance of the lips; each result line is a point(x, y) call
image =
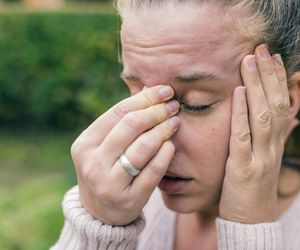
point(173, 183)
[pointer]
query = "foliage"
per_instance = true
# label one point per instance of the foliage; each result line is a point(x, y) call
point(11, 1)
point(97, 1)
point(58, 69)
point(36, 170)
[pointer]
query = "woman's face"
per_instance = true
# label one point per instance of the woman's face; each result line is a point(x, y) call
point(190, 49)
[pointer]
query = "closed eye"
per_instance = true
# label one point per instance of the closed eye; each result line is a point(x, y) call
point(197, 109)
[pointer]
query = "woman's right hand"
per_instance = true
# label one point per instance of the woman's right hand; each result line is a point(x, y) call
point(139, 127)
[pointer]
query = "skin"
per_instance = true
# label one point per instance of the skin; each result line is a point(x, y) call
point(160, 55)
point(223, 150)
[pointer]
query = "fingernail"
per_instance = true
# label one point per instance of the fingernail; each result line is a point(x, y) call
point(172, 106)
point(278, 60)
point(263, 51)
point(166, 92)
point(174, 122)
point(251, 63)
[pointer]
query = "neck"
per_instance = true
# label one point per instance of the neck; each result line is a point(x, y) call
point(206, 218)
point(200, 221)
point(196, 230)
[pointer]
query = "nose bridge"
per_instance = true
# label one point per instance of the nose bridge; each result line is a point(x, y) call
point(156, 71)
point(151, 83)
point(157, 76)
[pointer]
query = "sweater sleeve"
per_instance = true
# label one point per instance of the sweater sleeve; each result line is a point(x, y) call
point(235, 236)
point(83, 232)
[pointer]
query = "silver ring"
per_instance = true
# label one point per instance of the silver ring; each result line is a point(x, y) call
point(126, 164)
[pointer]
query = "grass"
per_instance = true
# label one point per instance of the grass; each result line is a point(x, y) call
point(36, 171)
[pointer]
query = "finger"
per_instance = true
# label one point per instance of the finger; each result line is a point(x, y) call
point(283, 83)
point(281, 74)
point(97, 131)
point(259, 113)
point(133, 125)
point(143, 149)
point(240, 140)
point(152, 174)
point(277, 97)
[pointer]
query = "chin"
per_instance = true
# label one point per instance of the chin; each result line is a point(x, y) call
point(189, 204)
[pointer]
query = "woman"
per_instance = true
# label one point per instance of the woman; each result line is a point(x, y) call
point(212, 106)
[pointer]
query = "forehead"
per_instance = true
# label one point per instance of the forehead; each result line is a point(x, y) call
point(173, 36)
point(171, 19)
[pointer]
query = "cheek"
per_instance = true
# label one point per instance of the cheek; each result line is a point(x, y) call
point(211, 142)
point(205, 140)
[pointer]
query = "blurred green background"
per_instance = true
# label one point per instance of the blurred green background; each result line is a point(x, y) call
point(59, 70)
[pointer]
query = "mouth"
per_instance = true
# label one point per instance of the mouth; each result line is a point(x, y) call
point(173, 183)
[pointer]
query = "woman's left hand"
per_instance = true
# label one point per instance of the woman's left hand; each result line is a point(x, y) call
point(260, 113)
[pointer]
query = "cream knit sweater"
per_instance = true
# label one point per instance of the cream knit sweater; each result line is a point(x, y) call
point(81, 231)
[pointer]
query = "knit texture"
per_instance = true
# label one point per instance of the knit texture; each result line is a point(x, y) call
point(236, 236)
point(82, 231)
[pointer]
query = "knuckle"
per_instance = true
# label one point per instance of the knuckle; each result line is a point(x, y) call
point(243, 112)
point(268, 71)
point(145, 146)
point(260, 168)
point(281, 108)
point(77, 147)
point(281, 75)
point(157, 113)
point(148, 98)
point(157, 169)
point(249, 173)
point(120, 110)
point(244, 136)
point(265, 118)
point(88, 174)
point(256, 81)
point(166, 130)
point(90, 169)
point(74, 150)
point(94, 161)
point(133, 121)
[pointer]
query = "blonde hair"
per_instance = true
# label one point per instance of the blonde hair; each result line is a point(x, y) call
point(276, 22)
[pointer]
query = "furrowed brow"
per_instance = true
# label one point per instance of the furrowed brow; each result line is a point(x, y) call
point(180, 79)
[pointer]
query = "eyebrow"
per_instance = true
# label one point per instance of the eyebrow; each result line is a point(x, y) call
point(180, 79)
point(197, 77)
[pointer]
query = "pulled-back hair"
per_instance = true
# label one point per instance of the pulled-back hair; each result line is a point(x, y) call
point(276, 23)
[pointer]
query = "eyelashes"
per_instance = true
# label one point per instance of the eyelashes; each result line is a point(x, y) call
point(196, 109)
